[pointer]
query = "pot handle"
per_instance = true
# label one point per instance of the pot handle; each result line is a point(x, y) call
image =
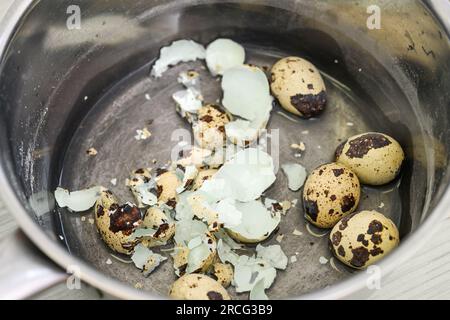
point(24, 270)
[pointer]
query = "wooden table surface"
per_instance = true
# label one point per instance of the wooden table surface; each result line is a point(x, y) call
point(425, 276)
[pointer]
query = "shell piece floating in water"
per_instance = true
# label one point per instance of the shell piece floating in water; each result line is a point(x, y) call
point(77, 201)
point(296, 175)
point(178, 51)
point(246, 92)
point(223, 54)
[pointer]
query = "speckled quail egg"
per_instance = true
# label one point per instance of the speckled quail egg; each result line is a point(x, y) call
point(203, 175)
point(375, 157)
point(167, 183)
point(363, 238)
point(209, 130)
point(331, 192)
point(223, 272)
point(116, 222)
point(198, 287)
point(155, 218)
point(299, 87)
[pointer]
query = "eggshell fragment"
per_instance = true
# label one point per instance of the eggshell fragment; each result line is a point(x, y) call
point(223, 54)
point(246, 92)
point(77, 201)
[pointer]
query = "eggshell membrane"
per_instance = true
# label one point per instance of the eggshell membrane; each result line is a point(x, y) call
point(375, 157)
point(198, 287)
point(361, 239)
point(294, 76)
point(331, 192)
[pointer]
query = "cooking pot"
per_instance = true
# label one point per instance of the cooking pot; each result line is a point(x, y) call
point(76, 75)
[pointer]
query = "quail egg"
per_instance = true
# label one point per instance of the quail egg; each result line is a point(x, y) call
point(299, 87)
point(198, 287)
point(363, 238)
point(167, 183)
point(224, 273)
point(375, 157)
point(331, 192)
point(209, 130)
point(116, 223)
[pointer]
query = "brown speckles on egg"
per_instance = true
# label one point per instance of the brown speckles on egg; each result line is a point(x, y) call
point(309, 105)
point(338, 172)
point(375, 226)
point(348, 202)
point(298, 90)
point(341, 251)
point(213, 295)
point(335, 194)
point(361, 145)
point(375, 157)
point(124, 219)
point(360, 257)
point(364, 235)
point(336, 238)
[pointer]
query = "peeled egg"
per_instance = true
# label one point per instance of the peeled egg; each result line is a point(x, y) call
point(299, 87)
point(331, 192)
point(223, 54)
point(363, 238)
point(375, 157)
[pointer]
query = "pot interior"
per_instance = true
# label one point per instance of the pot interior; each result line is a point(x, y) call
point(63, 91)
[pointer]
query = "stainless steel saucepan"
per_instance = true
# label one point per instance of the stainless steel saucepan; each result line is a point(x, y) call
point(69, 82)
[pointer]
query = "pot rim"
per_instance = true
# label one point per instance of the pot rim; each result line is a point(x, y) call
point(114, 287)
